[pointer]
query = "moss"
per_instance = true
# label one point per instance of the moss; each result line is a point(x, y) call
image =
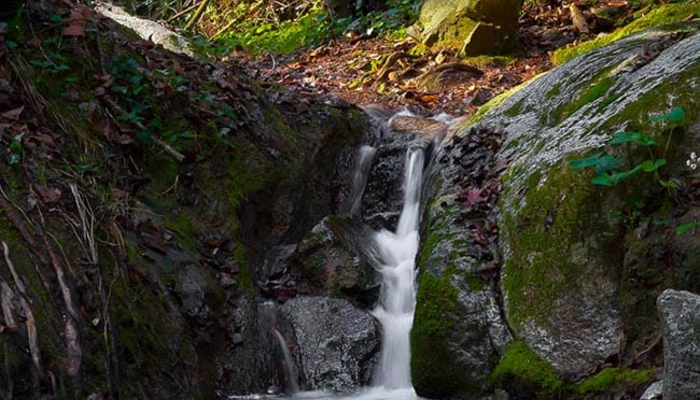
point(610, 378)
point(488, 61)
point(544, 234)
point(596, 90)
point(664, 15)
point(245, 276)
point(185, 229)
point(661, 99)
point(431, 360)
point(521, 370)
point(497, 101)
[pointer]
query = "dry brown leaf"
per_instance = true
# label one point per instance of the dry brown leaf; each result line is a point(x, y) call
point(13, 114)
point(75, 29)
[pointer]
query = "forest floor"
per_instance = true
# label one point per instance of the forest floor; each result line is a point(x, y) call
point(394, 73)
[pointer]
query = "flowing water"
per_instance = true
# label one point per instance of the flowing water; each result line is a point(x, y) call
point(359, 179)
point(398, 296)
point(290, 368)
point(397, 254)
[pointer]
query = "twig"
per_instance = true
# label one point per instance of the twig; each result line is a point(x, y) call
point(653, 344)
point(73, 349)
point(6, 296)
point(32, 335)
point(197, 14)
point(166, 147)
point(13, 272)
point(87, 221)
point(65, 291)
point(183, 12)
point(28, 314)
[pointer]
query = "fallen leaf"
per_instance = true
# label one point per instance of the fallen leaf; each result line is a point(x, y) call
point(48, 195)
point(13, 114)
point(474, 196)
point(34, 42)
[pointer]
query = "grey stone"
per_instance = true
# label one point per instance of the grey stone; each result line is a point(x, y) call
point(459, 333)
point(336, 343)
point(653, 391)
point(680, 316)
point(147, 29)
point(336, 260)
point(571, 321)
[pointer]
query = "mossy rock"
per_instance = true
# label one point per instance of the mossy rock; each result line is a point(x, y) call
point(458, 334)
point(663, 15)
point(472, 27)
point(563, 248)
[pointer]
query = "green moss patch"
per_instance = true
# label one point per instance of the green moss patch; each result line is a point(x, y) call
point(521, 369)
point(431, 360)
point(664, 15)
point(544, 235)
point(610, 378)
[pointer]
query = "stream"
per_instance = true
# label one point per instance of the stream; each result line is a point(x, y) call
point(396, 264)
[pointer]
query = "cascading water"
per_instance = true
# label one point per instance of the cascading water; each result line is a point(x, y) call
point(289, 366)
point(365, 155)
point(395, 310)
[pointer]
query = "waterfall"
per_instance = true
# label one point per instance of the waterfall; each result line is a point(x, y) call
point(289, 366)
point(397, 303)
point(359, 179)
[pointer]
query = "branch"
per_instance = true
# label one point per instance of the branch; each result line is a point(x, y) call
point(197, 14)
point(6, 297)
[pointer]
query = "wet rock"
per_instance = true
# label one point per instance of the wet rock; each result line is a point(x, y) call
point(680, 316)
point(459, 333)
point(336, 343)
point(276, 261)
point(653, 392)
point(191, 286)
point(474, 27)
point(335, 259)
point(384, 193)
point(252, 361)
point(562, 249)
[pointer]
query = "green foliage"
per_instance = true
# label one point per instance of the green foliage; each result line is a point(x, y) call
point(684, 228)
point(259, 35)
point(606, 164)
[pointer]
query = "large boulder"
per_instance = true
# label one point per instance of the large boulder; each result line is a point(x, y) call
point(336, 343)
point(459, 333)
point(472, 26)
point(680, 316)
point(566, 243)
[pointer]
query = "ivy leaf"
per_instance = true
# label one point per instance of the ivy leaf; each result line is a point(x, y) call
point(651, 165)
point(607, 163)
point(603, 180)
point(676, 114)
point(608, 179)
point(632, 137)
point(585, 162)
point(681, 229)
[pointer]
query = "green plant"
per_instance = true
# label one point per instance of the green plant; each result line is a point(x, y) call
point(16, 149)
point(607, 166)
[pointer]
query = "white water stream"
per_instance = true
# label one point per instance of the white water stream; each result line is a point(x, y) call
point(398, 295)
point(397, 253)
point(289, 365)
